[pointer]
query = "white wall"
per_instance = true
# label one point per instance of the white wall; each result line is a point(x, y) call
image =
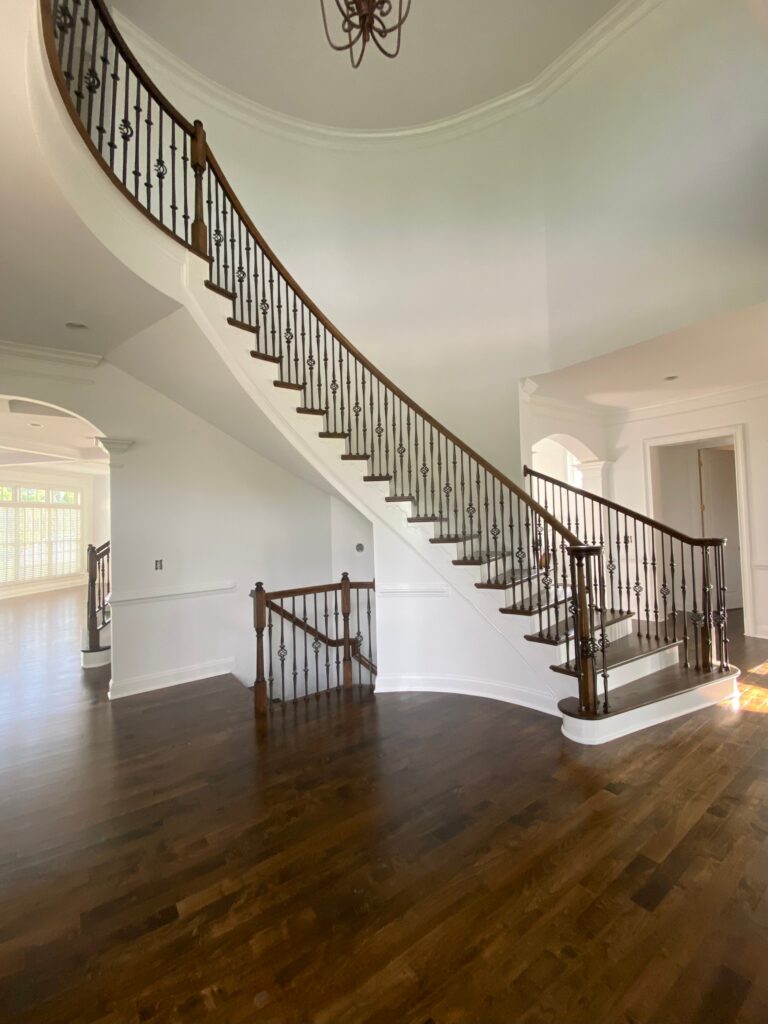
point(100, 519)
point(655, 157)
point(218, 514)
point(348, 529)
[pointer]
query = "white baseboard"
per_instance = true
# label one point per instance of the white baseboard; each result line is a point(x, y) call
point(470, 687)
point(42, 586)
point(603, 730)
point(170, 677)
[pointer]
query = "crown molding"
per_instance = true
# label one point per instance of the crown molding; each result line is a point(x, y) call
point(680, 406)
point(65, 356)
point(176, 73)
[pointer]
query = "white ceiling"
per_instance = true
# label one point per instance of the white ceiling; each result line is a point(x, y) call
point(718, 355)
point(41, 434)
point(456, 54)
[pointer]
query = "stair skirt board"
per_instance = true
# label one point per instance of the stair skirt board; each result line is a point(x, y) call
point(592, 732)
point(467, 686)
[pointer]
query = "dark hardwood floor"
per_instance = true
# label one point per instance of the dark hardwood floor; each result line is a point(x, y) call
point(395, 860)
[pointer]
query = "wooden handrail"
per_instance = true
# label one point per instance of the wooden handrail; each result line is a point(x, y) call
point(623, 510)
point(325, 588)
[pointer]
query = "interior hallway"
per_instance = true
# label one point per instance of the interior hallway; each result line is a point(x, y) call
point(410, 858)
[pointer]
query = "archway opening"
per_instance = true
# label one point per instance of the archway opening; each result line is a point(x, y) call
point(54, 517)
point(561, 457)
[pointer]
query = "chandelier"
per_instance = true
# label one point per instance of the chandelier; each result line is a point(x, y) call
point(366, 20)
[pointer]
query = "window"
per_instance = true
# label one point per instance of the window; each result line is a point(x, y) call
point(40, 533)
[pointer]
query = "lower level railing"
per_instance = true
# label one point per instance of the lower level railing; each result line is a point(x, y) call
point(672, 586)
point(99, 613)
point(313, 640)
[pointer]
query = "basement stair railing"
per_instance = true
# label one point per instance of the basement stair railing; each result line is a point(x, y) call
point(98, 612)
point(673, 585)
point(163, 164)
point(313, 640)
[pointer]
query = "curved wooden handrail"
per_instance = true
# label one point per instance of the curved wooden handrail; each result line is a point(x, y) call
point(128, 56)
point(49, 40)
point(623, 510)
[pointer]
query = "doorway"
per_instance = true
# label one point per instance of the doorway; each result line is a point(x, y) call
point(694, 490)
point(54, 517)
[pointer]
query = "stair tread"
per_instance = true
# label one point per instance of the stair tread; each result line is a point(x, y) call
point(455, 539)
point(667, 682)
point(563, 628)
point(219, 290)
point(377, 478)
point(627, 649)
point(242, 325)
point(288, 385)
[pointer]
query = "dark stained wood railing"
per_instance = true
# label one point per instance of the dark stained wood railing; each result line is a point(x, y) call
point(313, 640)
point(674, 585)
point(163, 163)
point(99, 613)
point(154, 155)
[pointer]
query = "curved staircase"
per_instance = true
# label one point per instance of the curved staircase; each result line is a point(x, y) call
point(607, 618)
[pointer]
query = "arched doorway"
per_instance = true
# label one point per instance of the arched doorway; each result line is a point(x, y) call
point(565, 458)
point(54, 513)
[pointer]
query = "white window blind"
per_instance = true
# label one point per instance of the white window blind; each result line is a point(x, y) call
point(40, 533)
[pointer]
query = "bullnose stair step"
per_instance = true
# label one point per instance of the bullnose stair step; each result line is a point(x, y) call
point(400, 497)
point(667, 682)
point(264, 357)
point(377, 478)
point(355, 457)
point(305, 410)
point(455, 538)
point(288, 385)
point(426, 519)
point(339, 435)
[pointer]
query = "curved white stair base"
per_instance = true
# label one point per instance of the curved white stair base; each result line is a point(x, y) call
point(593, 732)
point(96, 659)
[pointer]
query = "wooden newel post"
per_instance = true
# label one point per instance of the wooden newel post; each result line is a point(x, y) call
point(260, 621)
point(199, 163)
point(93, 625)
point(706, 611)
point(346, 609)
point(583, 640)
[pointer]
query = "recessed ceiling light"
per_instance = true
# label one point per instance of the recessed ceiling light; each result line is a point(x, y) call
point(73, 325)
point(673, 376)
point(34, 424)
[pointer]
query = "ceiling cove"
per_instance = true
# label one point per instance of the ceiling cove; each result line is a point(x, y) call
point(180, 78)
